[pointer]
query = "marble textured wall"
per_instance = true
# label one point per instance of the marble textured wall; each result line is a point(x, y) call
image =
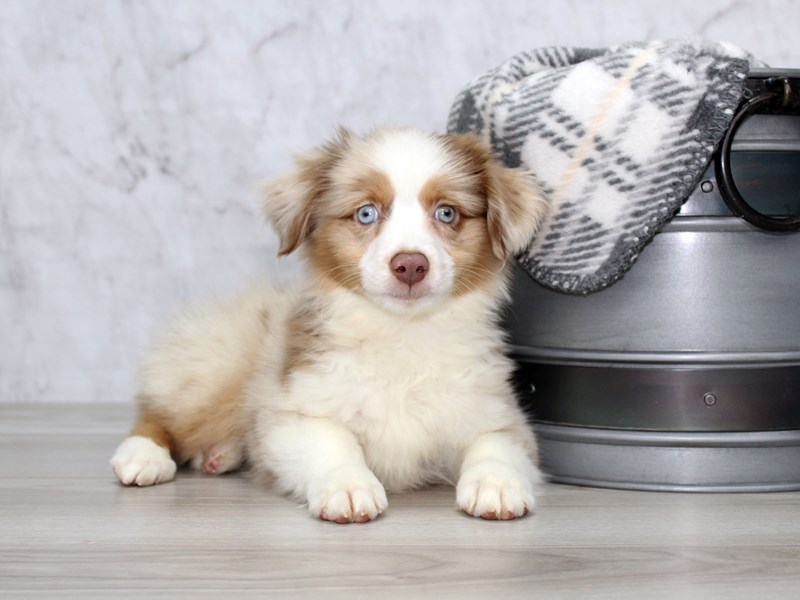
point(133, 134)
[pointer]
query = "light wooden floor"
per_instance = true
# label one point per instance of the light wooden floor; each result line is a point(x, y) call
point(67, 529)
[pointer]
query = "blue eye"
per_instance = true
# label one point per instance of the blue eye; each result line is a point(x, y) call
point(367, 214)
point(446, 214)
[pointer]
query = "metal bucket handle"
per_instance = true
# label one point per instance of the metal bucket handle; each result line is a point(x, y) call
point(778, 93)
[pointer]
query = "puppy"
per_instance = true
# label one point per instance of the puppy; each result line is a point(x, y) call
point(386, 369)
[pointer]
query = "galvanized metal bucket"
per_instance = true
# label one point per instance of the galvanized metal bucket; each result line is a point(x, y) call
point(685, 374)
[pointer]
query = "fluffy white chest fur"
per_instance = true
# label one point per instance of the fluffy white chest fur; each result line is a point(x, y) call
point(413, 390)
point(386, 369)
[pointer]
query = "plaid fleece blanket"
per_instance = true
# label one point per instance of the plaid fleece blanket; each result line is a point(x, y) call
point(617, 137)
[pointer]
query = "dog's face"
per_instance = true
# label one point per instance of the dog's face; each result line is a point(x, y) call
point(404, 217)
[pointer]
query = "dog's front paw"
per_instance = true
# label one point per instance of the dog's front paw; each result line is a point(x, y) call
point(140, 461)
point(347, 495)
point(494, 490)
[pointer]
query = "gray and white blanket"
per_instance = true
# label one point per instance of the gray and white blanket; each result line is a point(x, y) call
point(617, 137)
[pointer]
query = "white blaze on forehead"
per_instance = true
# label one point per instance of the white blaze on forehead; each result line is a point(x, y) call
point(406, 228)
point(409, 159)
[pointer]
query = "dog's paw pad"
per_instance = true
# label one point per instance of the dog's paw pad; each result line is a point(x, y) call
point(140, 461)
point(494, 491)
point(211, 464)
point(348, 496)
point(221, 459)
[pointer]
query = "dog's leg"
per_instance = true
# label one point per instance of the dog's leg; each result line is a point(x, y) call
point(144, 458)
point(321, 461)
point(497, 478)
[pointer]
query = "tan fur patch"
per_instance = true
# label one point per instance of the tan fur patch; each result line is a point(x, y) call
point(339, 240)
point(516, 208)
point(151, 427)
point(354, 190)
point(372, 187)
point(514, 202)
point(335, 250)
point(475, 264)
point(290, 201)
point(472, 155)
point(216, 422)
point(462, 191)
point(302, 340)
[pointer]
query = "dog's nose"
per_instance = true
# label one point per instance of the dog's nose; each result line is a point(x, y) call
point(409, 268)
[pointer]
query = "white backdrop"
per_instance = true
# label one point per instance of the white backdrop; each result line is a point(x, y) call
point(133, 134)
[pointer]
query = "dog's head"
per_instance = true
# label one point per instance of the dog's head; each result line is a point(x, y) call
point(403, 217)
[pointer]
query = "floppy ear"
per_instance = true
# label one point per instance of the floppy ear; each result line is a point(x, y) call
point(290, 199)
point(516, 209)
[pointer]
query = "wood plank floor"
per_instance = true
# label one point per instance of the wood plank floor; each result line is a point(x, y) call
point(68, 530)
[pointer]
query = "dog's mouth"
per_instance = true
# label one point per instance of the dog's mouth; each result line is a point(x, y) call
point(408, 297)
